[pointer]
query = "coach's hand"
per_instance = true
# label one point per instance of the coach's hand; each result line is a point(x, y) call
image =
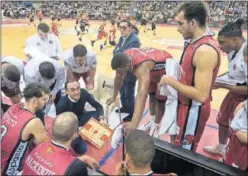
point(110, 101)
point(166, 80)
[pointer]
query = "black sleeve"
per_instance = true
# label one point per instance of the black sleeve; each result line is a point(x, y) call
point(77, 167)
point(62, 106)
point(91, 100)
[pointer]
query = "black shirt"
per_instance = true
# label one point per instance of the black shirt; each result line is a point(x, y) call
point(66, 105)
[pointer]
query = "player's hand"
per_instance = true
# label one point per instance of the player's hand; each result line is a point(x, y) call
point(90, 161)
point(165, 80)
point(103, 120)
point(90, 86)
point(242, 136)
point(51, 98)
point(110, 101)
point(121, 168)
point(128, 126)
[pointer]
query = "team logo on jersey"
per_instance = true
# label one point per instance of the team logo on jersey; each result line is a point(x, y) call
point(159, 66)
point(49, 149)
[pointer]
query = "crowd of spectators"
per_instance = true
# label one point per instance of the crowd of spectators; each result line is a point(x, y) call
point(220, 12)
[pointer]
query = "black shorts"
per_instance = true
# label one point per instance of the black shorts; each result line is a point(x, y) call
point(31, 20)
point(143, 22)
point(82, 28)
point(153, 26)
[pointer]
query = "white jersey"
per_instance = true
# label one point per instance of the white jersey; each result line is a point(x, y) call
point(50, 46)
point(71, 63)
point(14, 61)
point(239, 122)
point(236, 67)
point(32, 74)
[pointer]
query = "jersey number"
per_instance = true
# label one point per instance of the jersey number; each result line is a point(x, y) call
point(3, 131)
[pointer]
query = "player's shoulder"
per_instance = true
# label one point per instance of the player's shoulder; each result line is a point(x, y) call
point(206, 49)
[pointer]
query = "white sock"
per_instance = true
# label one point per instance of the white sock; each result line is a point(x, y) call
point(222, 147)
point(152, 117)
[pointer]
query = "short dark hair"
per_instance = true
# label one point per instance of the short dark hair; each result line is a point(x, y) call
point(12, 73)
point(65, 125)
point(69, 81)
point(43, 27)
point(34, 90)
point(140, 147)
point(129, 24)
point(194, 10)
point(232, 29)
point(53, 18)
point(119, 60)
point(47, 70)
point(79, 51)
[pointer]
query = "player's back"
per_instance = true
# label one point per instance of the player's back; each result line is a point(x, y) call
point(13, 147)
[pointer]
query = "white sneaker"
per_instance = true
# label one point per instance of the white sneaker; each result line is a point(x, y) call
point(146, 126)
point(215, 150)
point(154, 130)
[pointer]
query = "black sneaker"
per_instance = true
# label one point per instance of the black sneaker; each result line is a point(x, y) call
point(122, 110)
point(92, 43)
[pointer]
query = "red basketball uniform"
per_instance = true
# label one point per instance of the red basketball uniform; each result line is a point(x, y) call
point(191, 115)
point(159, 57)
point(47, 159)
point(231, 101)
point(101, 32)
point(54, 28)
point(112, 33)
point(14, 148)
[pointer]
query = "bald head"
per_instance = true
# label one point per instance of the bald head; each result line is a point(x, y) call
point(64, 126)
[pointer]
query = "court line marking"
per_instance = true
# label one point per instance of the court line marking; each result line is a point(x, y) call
point(112, 150)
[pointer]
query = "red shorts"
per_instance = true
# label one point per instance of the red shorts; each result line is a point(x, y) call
point(200, 115)
point(101, 35)
point(237, 152)
point(155, 77)
point(72, 76)
point(227, 108)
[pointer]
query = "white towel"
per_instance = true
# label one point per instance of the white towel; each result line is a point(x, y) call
point(116, 137)
point(168, 123)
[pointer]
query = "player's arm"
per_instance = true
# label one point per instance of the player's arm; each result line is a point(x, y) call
point(205, 60)
point(117, 83)
point(239, 89)
point(143, 75)
point(36, 129)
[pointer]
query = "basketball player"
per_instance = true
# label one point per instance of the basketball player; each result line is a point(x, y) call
point(80, 62)
point(31, 19)
point(200, 71)
point(20, 128)
point(233, 43)
point(112, 33)
point(12, 69)
point(54, 27)
point(120, 16)
point(82, 27)
point(148, 65)
point(52, 157)
point(102, 34)
point(237, 149)
point(40, 16)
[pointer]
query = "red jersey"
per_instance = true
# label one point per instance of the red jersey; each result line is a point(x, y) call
point(101, 28)
point(14, 148)
point(112, 32)
point(140, 55)
point(48, 159)
point(188, 68)
point(54, 28)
